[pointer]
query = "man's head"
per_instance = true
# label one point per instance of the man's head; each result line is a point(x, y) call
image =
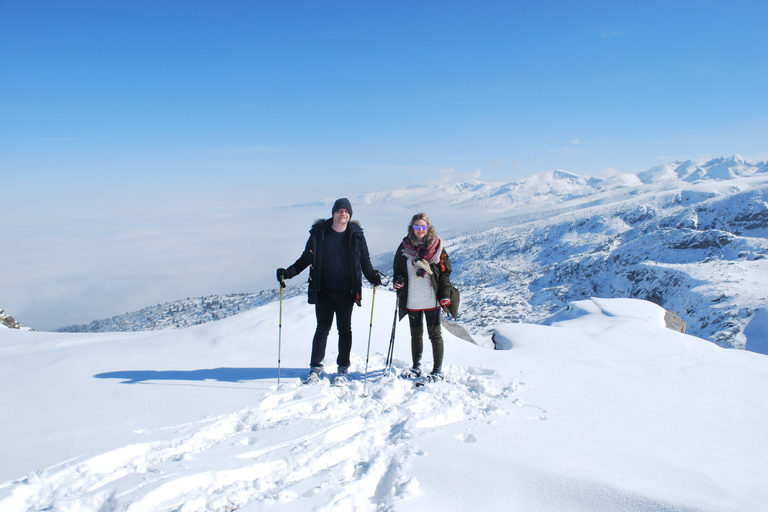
point(340, 204)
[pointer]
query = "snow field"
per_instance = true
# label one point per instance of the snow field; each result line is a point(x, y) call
point(600, 408)
point(318, 444)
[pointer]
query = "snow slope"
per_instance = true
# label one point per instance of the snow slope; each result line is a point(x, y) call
point(599, 408)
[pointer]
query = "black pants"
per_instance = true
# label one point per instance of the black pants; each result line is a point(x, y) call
point(432, 317)
point(416, 321)
point(330, 303)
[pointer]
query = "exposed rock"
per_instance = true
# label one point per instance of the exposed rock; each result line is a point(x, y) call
point(456, 330)
point(8, 321)
point(673, 321)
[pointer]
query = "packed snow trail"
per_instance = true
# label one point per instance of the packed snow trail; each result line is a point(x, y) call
point(328, 447)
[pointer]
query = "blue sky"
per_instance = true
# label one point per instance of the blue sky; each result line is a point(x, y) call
point(112, 113)
point(308, 96)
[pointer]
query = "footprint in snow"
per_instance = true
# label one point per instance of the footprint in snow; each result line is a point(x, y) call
point(324, 446)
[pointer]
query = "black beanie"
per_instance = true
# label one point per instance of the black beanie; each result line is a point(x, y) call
point(342, 203)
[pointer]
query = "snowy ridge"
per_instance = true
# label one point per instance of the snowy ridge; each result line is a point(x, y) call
point(184, 313)
point(552, 188)
point(697, 170)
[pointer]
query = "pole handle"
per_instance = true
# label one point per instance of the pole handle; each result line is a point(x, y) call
point(373, 301)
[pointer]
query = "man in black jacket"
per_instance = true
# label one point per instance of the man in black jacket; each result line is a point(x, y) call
point(337, 256)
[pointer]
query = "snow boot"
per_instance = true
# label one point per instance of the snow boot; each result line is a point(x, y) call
point(417, 344)
point(436, 337)
point(435, 376)
point(314, 375)
point(411, 373)
point(342, 376)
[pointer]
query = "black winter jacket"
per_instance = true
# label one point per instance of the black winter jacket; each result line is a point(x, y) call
point(312, 257)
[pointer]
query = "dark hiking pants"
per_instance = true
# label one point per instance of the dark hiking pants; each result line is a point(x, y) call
point(416, 321)
point(332, 303)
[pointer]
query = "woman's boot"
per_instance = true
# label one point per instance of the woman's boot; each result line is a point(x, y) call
point(417, 347)
point(436, 337)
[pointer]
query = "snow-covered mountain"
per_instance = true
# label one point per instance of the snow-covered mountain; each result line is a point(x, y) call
point(689, 236)
point(696, 170)
point(698, 249)
point(544, 189)
point(184, 313)
point(552, 188)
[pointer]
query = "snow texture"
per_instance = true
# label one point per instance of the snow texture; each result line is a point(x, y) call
point(597, 407)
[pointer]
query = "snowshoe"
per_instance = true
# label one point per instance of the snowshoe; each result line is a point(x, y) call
point(434, 377)
point(431, 379)
point(342, 376)
point(411, 373)
point(314, 375)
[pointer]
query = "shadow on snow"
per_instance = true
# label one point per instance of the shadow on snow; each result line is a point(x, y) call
point(219, 374)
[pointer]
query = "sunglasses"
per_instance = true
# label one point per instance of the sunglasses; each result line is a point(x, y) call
point(417, 228)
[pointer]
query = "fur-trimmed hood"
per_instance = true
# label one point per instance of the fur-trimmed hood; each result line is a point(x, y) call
point(322, 223)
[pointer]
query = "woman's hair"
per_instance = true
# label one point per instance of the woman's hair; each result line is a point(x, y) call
point(431, 235)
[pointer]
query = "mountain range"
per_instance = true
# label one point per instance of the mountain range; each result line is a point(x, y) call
point(690, 236)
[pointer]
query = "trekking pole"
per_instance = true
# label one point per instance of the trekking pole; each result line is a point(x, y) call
point(384, 281)
point(368, 353)
point(280, 332)
point(391, 351)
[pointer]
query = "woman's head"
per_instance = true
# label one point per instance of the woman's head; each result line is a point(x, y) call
point(420, 230)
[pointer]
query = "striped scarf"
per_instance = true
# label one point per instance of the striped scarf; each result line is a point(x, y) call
point(423, 255)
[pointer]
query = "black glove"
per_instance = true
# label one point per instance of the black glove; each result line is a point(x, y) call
point(376, 279)
point(283, 274)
